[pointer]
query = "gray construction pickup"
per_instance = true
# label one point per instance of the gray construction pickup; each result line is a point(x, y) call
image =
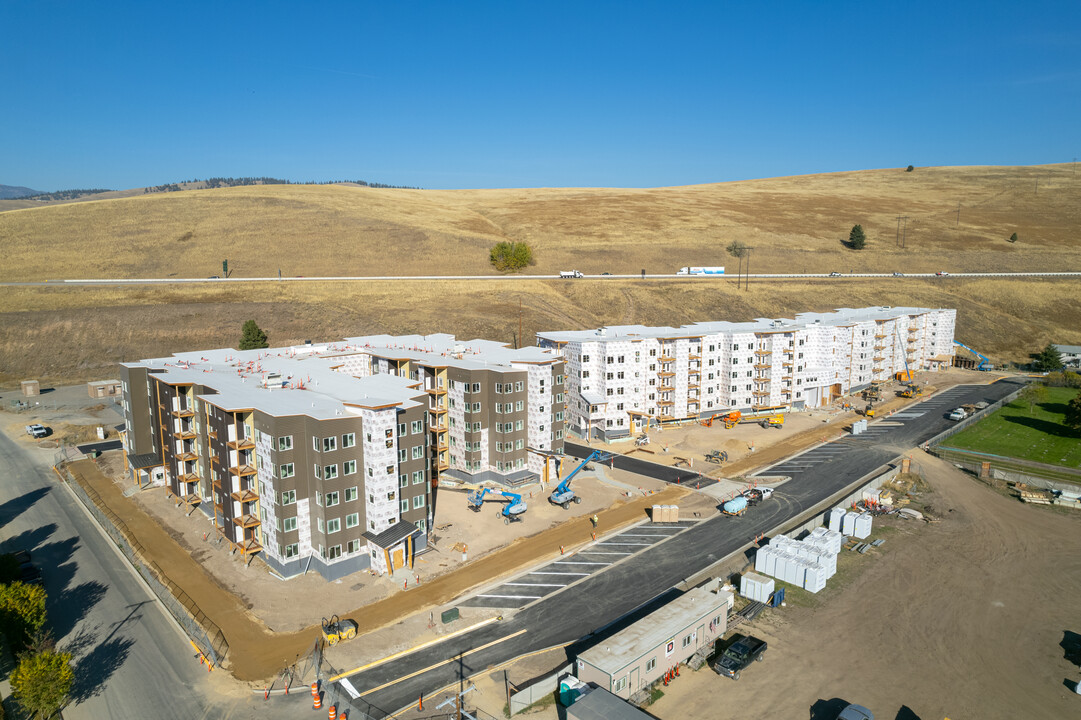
point(36, 431)
point(739, 655)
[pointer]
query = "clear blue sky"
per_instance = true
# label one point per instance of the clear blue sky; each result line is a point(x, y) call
point(529, 94)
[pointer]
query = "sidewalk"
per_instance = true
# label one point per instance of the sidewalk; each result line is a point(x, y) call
point(257, 654)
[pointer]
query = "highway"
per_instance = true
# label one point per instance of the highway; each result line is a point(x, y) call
point(130, 658)
point(435, 278)
point(630, 587)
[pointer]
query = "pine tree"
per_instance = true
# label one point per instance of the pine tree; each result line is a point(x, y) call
point(253, 337)
point(856, 239)
point(1049, 359)
point(1073, 413)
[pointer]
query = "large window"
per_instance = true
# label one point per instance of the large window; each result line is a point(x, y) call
point(418, 477)
point(405, 506)
point(291, 551)
point(418, 502)
point(335, 552)
point(418, 452)
point(352, 520)
point(289, 524)
point(349, 467)
point(331, 499)
point(330, 472)
point(286, 470)
point(329, 444)
point(416, 426)
point(334, 525)
point(285, 442)
point(349, 440)
point(350, 494)
point(289, 497)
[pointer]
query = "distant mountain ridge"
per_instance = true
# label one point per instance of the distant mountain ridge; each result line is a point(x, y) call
point(10, 192)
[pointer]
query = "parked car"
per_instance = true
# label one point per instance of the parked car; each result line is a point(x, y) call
point(36, 431)
point(738, 656)
point(958, 414)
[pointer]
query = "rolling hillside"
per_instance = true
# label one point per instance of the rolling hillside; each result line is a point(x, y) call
point(794, 224)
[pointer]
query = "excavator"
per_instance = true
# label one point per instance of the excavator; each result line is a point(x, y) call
point(563, 495)
point(511, 512)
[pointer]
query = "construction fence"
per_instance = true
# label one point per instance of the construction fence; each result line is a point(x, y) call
point(543, 688)
point(202, 631)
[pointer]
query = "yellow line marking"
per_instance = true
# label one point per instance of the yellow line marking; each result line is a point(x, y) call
point(423, 645)
point(443, 662)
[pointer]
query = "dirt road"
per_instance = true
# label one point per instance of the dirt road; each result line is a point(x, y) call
point(257, 654)
point(963, 618)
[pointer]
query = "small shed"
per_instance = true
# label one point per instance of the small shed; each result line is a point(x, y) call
point(639, 655)
point(599, 704)
point(394, 548)
point(31, 388)
point(103, 388)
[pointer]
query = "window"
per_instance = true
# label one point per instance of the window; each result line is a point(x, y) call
point(330, 472)
point(286, 470)
point(349, 440)
point(476, 387)
point(285, 443)
point(291, 551)
point(349, 467)
point(620, 684)
point(289, 524)
point(353, 546)
point(518, 386)
point(687, 640)
point(405, 506)
point(585, 358)
point(330, 444)
point(418, 502)
point(401, 430)
point(289, 497)
point(334, 553)
point(418, 477)
point(319, 498)
point(416, 426)
point(403, 455)
point(519, 405)
point(418, 452)
point(403, 480)
point(331, 499)
point(651, 663)
point(350, 494)
point(319, 524)
point(352, 520)
point(334, 525)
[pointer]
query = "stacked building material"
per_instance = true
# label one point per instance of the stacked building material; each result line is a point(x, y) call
point(807, 563)
point(837, 516)
point(756, 587)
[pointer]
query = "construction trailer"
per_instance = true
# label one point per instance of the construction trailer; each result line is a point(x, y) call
point(104, 388)
point(638, 656)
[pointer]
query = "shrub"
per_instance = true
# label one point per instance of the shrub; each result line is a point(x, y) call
point(1014, 238)
point(909, 168)
point(41, 682)
point(22, 611)
point(510, 256)
point(252, 337)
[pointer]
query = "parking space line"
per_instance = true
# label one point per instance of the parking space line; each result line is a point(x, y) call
point(609, 542)
point(539, 572)
point(599, 552)
point(513, 597)
point(578, 562)
point(536, 584)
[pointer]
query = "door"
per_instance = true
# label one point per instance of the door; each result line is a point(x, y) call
point(700, 636)
point(634, 687)
point(398, 558)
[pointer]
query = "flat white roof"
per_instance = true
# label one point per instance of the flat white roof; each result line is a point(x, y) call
point(842, 316)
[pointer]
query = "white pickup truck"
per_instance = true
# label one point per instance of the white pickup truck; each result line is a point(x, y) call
point(957, 415)
point(36, 431)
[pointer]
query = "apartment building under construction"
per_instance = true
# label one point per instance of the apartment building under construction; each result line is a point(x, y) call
point(621, 379)
point(328, 457)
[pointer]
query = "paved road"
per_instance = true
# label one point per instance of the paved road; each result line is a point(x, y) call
point(130, 660)
point(640, 466)
point(588, 607)
point(514, 278)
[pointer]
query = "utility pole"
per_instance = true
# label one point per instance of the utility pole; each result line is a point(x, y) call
point(747, 279)
point(904, 231)
point(958, 223)
point(520, 322)
point(897, 237)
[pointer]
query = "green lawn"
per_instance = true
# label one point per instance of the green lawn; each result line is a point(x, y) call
point(1013, 431)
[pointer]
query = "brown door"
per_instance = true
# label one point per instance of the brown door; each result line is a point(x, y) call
point(398, 558)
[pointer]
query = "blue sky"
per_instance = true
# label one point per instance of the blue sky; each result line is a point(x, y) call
point(529, 94)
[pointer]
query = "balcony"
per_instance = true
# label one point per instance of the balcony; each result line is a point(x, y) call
point(913, 330)
point(437, 428)
point(693, 386)
point(695, 355)
point(245, 496)
point(762, 366)
point(441, 465)
point(760, 393)
point(879, 347)
point(879, 336)
point(665, 402)
point(437, 410)
point(247, 521)
point(666, 373)
point(184, 435)
point(878, 359)
point(440, 447)
point(187, 456)
point(665, 358)
point(184, 412)
point(249, 547)
point(242, 444)
point(763, 351)
point(436, 391)
point(242, 470)
point(188, 478)
point(694, 371)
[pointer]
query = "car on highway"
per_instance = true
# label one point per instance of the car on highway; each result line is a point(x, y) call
point(942, 273)
point(835, 274)
point(898, 274)
point(606, 273)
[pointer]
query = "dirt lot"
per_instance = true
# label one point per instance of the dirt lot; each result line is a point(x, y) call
point(962, 618)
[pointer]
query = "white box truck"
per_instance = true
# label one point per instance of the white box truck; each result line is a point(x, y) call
point(701, 271)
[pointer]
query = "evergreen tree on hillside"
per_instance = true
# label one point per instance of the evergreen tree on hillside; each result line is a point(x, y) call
point(252, 337)
point(856, 239)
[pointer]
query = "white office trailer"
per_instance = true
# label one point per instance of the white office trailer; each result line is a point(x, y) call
point(623, 379)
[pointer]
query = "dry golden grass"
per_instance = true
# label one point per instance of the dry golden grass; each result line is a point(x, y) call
point(78, 333)
point(795, 224)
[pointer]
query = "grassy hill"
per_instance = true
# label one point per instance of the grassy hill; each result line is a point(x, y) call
point(795, 224)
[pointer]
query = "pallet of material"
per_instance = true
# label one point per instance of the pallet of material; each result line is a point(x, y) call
point(1035, 496)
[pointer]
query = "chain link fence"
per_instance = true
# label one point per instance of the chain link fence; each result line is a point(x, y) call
point(204, 633)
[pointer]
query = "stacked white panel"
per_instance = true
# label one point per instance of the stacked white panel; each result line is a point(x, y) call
point(849, 525)
point(862, 526)
point(837, 516)
point(814, 578)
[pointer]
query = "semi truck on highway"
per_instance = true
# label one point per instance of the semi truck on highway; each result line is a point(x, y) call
point(570, 274)
point(700, 271)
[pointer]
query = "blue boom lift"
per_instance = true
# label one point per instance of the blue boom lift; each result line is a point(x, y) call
point(511, 512)
point(563, 495)
point(985, 363)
